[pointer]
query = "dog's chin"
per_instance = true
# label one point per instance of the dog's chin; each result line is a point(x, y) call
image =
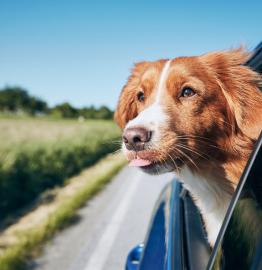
point(158, 168)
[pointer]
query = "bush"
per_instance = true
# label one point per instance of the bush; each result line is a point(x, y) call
point(29, 168)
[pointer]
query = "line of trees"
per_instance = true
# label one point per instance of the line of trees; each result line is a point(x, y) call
point(17, 100)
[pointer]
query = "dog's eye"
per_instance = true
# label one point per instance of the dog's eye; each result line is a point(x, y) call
point(141, 97)
point(187, 92)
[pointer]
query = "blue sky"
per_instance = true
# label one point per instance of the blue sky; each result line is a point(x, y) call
point(81, 51)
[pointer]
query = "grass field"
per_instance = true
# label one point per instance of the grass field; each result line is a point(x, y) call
point(37, 154)
point(22, 240)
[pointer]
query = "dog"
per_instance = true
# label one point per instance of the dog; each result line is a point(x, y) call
point(197, 116)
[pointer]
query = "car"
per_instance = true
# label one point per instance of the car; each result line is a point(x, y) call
point(176, 238)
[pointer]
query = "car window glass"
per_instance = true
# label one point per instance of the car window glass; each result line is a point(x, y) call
point(244, 230)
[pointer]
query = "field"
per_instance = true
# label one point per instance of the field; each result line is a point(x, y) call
point(23, 240)
point(37, 154)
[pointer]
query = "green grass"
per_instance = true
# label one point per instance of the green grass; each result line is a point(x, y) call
point(16, 255)
point(38, 154)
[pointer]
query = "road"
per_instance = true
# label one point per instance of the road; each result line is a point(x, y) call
point(110, 225)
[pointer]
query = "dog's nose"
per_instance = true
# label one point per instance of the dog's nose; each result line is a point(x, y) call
point(135, 138)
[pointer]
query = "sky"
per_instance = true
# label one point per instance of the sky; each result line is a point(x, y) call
point(81, 51)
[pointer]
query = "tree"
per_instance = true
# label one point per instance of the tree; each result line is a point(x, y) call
point(104, 113)
point(65, 110)
point(88, 113)
point(14, 98)
point(36, 105)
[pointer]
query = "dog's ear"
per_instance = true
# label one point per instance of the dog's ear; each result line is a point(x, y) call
point(240, 85)
point(127, 108)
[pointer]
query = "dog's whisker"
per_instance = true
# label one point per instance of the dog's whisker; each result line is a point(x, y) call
point(111, 154)
point(194, 136)
point(200, 137)
point(230, 130)
point(177, 168)
point(112, 142)
point(194, 151)
point(188, 158)
point(227, 123)
point(185, 138)
point(157, 169)
point(105, 144)
point(171, 159)
point(174, 164)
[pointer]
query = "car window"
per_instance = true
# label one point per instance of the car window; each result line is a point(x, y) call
point(255, 62)
point(244, 229)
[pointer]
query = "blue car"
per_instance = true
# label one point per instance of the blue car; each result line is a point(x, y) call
point(176, 237)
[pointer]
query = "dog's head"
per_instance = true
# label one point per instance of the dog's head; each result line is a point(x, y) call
point(174, 112)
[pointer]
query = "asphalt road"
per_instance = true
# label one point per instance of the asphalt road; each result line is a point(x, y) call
point(111, 224)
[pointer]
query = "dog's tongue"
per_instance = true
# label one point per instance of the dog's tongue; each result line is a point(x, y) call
point(139, 163)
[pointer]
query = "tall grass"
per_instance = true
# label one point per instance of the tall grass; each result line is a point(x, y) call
point(37, 154)
point(59, 216)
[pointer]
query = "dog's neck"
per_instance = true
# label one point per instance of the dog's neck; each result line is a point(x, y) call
point(210, 198)
point(212, 185)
